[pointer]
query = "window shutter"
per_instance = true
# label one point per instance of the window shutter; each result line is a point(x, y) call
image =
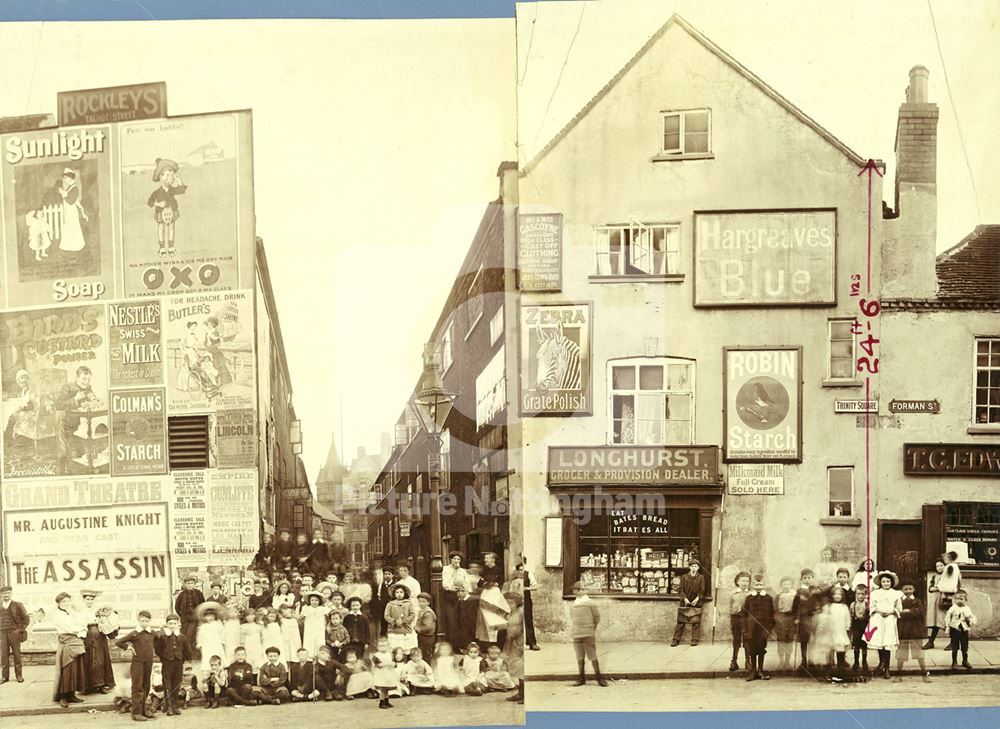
point(933, 534)
point(188, 439)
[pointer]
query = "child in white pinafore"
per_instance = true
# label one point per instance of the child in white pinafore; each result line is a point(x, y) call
point(447, 678)
point(886, 605)
point(291, 639)
point(314, 623)
point(251, 638)
point(209, 638)
point(273, 637)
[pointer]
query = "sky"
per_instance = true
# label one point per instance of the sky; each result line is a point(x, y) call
point(376, 143)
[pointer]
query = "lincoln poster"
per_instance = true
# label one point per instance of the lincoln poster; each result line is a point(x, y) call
point(57, 215)
point(55, 396)
point(186, 204)
point(555, 360)
point(765, 258)
point(763, 395)
point(209, 341)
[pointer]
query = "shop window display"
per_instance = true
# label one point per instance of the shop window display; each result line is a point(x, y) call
point(637, 553)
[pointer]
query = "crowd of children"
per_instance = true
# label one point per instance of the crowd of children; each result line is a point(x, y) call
point(827, 622)
point(311, 646)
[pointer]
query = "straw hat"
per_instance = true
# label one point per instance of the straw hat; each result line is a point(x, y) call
point(886, 573)
point(208, 605)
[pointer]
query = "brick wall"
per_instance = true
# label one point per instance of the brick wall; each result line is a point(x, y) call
point(916, 143)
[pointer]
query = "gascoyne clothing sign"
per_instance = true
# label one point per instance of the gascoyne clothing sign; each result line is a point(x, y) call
point(765, 258)
point(763, 396)
point(555, 360)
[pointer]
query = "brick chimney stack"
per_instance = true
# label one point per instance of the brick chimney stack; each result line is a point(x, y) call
point(909, 245)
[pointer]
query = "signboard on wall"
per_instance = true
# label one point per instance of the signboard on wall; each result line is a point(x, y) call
point(634, 465)
point(138, 432)
point(236, 438)
point(184, 203)
point(58, 218)
point(757, 479)
point(555, 355)
point(135, 342)
point(762, 419)
point(765, 257)
point(491, 389)
point(114, 104)
point(107, 534)
point(55, 396)
point(137, 208)
point(976, 545)
point(209, 351)
point(539, 252)
point(952, 459)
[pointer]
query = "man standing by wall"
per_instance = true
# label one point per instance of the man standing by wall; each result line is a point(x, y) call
point(13, 631)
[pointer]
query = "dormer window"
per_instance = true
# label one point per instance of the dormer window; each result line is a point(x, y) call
point(687, 132)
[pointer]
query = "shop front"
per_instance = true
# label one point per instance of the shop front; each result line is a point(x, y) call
point(631, 520)
point(961, 519)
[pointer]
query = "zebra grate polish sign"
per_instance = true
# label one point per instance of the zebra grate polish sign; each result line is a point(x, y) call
point(556, 360)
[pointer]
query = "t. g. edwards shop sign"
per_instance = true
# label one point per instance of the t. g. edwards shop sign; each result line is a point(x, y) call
point(635, 465)
point(951, 459)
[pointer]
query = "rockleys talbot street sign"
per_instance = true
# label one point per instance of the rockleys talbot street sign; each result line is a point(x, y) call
point(114, 104)
point(634, 465)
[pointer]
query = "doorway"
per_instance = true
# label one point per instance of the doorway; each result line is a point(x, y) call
point(899, 545)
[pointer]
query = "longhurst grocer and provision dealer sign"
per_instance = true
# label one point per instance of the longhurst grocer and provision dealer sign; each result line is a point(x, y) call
point(634, 465)
point(762, 419)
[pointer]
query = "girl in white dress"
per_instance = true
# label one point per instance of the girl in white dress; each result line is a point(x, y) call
point(418, 673)
point(447, 679)
point(210, 637)
point(273, 637)
point(935, 615)
point(314, 623)
point(230, 634)
point(251, 638)
point(886, 606)
point(291, 638)
point(283, 595)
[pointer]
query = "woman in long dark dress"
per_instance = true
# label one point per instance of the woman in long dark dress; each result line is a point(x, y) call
point(70, 630)
point(102, 624)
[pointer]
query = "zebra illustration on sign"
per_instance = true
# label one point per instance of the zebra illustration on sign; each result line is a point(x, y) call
point(558, 361)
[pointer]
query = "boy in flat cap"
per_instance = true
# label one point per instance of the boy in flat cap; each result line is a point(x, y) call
point(584, 618)
point(189, 598)
point(759, 611)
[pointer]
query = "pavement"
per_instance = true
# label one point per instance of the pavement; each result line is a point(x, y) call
point(856, 705)
point(33, 698)
point(557, 661)
point(415, 711)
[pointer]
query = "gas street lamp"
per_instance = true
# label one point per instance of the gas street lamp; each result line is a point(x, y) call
point(432, 405)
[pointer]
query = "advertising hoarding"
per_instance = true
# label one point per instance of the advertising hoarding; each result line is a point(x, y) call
point(107, 534)
point(555, 354)
point(762, 419)
point(58, 216)
point(186, 210)
point(539, 252)
point(236, 438)
point(53, 364)
point(765, 257)
point(138, 432)
point(135, 341)
point(209, 347)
